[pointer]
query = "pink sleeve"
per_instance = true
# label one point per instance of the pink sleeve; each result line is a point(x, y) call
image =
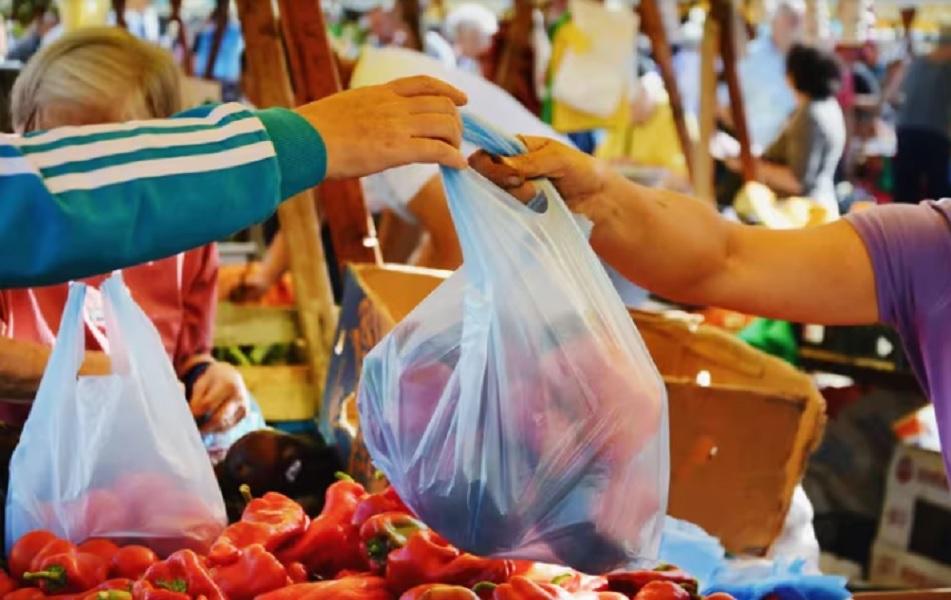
point(199, 302)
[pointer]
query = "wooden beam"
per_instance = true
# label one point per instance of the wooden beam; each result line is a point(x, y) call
point(181, 37)
point(315, 76)
point(222, 9)
point(118, 7)
point(703, 185)
point(723, 11)
point(652, 24)
point(268, 84)
point(412, 17)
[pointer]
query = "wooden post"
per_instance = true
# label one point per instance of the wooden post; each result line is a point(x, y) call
point(118, 6)
point(410, 13)
point(518, 35)
point(652, 24)
point(181, 37)
point(268, 84)
point(907, 21)
point(723, 12)
point(222, 9)
point(703, 162)
point(315, 76)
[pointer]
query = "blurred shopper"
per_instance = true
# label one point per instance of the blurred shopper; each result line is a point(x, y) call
point(470, 28)
point(923, 127)
point(649, 139)
point(102, 75)
point(768, 101)
point(802, 160)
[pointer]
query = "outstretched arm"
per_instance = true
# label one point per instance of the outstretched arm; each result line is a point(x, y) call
point(681, 248)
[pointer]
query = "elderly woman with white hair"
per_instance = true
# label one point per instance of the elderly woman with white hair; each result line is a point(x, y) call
point(470, 27)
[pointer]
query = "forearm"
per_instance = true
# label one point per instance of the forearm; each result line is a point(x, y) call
point(680, 248)
point(22, 365)
point(277, 259)
point(666, 242)
point(142, 191)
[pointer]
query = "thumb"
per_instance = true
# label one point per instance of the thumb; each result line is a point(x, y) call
point(545, 158)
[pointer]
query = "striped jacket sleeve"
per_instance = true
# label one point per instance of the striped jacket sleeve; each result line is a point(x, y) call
point(79, 201)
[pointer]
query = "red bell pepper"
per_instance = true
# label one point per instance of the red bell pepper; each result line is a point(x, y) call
point(255, 572)
point(662, 590)
point(719, 596)
point(108, 595)
point(630, 583)
point(181, 576)
point(7, 583)
point(132, 561)
point(28, 546)
point(54, 547)
point(331, 542)
point(104, 549)
point(428, 558)
point(354, 587)
point(29, 593)
point(382, 533)
point(382, 502)
point(69, 572)
point(271, 520)
point(575, 581)
point(522, 588)
point(297, 572)
point(439, 591)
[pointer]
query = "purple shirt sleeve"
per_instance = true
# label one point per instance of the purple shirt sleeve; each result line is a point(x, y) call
point(910, 249)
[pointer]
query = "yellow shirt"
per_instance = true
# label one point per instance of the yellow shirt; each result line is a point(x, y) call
point(653, 143)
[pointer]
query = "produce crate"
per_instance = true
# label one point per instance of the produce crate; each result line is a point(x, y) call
point(742, 423)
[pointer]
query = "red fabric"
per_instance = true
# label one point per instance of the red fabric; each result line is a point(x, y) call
point(178, 293)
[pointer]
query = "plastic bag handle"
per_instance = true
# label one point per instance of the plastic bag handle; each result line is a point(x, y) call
point(70, 346)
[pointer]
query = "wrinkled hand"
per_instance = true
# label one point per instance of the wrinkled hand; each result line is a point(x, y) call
point(219, 399)
point(582, 181)
point(367, 130)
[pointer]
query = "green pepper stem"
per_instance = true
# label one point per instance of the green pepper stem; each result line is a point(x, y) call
point(483, 586)
point(341, 476)
point(245, 491)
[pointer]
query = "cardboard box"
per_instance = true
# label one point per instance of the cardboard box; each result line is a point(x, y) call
point(894, 567)
point(742, 423)
point(913, 548)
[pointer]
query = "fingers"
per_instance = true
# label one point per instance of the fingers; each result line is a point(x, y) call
point(496, 170)
point(434, 151)
point(198, 404)
point(423, 85)
point(432, 104)
point(226, 416)
point(440, 127)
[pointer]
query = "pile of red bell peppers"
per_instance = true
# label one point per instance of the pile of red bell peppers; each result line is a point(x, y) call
point(361, 546)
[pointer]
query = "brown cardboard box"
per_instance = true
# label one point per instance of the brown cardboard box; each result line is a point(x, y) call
point(742, 422)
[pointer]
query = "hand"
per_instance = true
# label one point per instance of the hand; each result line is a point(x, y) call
point(219, 398)
point(583, 182)
point(251, 288)
point(371, 129)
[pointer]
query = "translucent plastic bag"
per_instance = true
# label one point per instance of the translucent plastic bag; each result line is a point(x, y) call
point(117, 456)
point(516, 409)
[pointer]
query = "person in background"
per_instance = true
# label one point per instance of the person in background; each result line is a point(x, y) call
point(768, 101)
point(650, 138)
point(227, 66)
point(470, 28)
point(923, 126)
point(802, 160)
point(100, 75)
point(29, 43)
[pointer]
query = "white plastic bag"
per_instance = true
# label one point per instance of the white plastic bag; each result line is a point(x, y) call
point(117, 456)
point(516, 409)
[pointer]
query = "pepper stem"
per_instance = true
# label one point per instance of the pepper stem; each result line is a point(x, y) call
point(54, 576)
point(341, 476)
point(113, 595)
point(483, 586)
point(245, 491)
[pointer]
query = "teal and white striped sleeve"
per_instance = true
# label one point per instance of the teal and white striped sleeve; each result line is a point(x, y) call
point(78, 201)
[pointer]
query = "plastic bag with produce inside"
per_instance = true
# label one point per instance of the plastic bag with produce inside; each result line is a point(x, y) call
point(516, 409)
point(115, 456)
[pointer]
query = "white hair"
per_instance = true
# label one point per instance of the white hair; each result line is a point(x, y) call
point(470, 14)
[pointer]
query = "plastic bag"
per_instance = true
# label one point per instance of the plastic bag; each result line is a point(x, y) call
point(116, 456)
point(516, 409)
